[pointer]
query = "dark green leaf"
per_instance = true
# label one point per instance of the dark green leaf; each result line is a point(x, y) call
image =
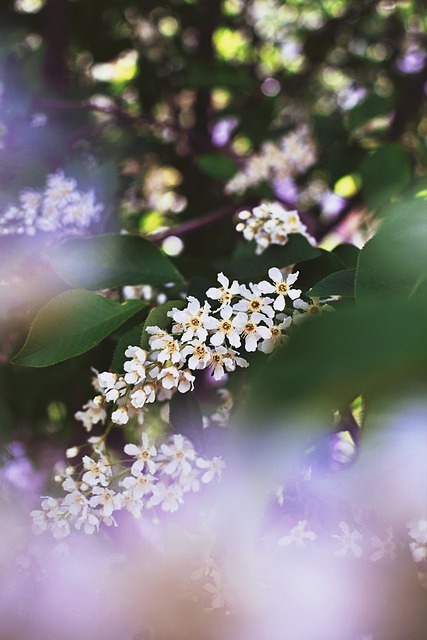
point(248, 266)
point(340, 283)
point(348, 254)
point(395, 259)
point(332, 358)
point(70, 324)
point(112, 261)
point(217, 166)
point(384, 173)
point(158, 317)
point(310, 273)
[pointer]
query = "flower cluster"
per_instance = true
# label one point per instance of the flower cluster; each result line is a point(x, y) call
point(202, 336)
point(59, 207)
point(270, 223)
point(246, 318)
point(293, 155)
point(156, 478)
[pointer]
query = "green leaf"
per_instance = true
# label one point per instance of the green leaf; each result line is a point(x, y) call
point(348, 254)
point(310, 273)
point(112, 260)
point(158, 317)
point(70, 324)
point(217, 166)
point(340, 283)
point(129, 338)
point(384, 173)
point(395, 259)
point(248, 266)
point(332, 358)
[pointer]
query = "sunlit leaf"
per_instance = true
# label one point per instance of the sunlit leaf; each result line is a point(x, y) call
point(70, 324)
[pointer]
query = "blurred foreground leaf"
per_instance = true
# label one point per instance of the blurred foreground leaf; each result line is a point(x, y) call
point(332, 358)
point(386, 172)
point(217, 166)
point(70, 324)
point(395, 259)
point(112, 260)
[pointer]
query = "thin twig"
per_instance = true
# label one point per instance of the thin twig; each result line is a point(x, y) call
point(195, 223)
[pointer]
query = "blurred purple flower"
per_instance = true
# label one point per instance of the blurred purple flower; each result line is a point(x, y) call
point(286, 189)
point(412, 61)
point(332, 204)
point(222, 130)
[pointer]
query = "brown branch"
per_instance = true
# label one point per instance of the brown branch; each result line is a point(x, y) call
point(195, 223)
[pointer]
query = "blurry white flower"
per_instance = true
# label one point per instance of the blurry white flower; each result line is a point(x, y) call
point(385, 548)
point(348, 541)
point(213, 468)
point(298, 535)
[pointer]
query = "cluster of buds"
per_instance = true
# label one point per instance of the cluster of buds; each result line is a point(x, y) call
point(270, 223)
point(157, 478)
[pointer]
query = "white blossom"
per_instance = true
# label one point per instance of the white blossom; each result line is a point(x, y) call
point(192, 320)
point(252, 330)
point(142, 396)
point(106, 498)
point(282, 287)
point(277, 335)
point(120, 415)
point(169, 497)
point(89, 522)
point(135, 369)
point(199, 355)
point(76, 503)
point(139, 485)
point(226, 292)
point(93, 412)
point(253, 301)
point(96, 472)
point(226, 327)
point(145, 455)
point(179, 455)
